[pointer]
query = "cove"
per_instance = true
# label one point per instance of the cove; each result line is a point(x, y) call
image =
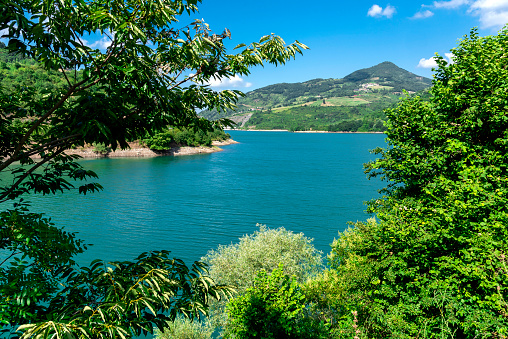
point(312, 183)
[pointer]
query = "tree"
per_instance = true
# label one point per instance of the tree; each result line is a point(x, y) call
point(436, 261)
point(152, 75)
point(273, 307)
point(133, 88)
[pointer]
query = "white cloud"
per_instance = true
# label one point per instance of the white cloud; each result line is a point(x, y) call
point(102, 43)
point(427, 63)
point(378, 11)
point(375, 10)
point(234, 82)
point(389, 11)
point(431, 62)
point(492, 13)
point(423, 15)
point(450, 4)
point(490, 4)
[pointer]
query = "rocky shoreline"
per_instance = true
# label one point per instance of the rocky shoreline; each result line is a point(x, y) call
point(136, 150)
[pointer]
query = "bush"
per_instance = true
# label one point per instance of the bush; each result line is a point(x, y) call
point(345, 286)
point(100, 148)
point(160, 141)
point(238, 264)
point(184, 328)
point(272, 308)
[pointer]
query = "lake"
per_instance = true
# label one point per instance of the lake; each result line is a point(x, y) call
point(306, 182)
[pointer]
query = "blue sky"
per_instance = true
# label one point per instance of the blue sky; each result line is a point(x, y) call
point(344, 36)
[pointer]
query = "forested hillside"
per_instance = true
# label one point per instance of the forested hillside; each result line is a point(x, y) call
point(354, 103)
point(16, 70)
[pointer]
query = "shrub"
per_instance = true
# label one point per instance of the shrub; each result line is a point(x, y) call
point(100, 148)
point(184, 328)
point(238, 264)
point(272, 308)
point(184, 137)
point(160, 141)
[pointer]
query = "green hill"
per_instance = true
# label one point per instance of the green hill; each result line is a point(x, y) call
point(17, 71)
point(389, 74)
point(354, 103)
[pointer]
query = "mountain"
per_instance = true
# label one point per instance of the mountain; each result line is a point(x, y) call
point(353, 103)
point(390, 74)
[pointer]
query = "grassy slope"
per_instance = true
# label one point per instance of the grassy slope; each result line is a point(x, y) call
point(328, 104)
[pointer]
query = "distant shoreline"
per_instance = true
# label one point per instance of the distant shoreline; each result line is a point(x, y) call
point(138, 151)
point(341, 132)
point(285, 130)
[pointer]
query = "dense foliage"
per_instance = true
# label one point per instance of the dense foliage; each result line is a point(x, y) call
point(272, 308)
point(150, 76)
point(16, 70)
point(435, 264)
point(239, 265)
point(126, 298)
point(26, 289)
point(184, 137)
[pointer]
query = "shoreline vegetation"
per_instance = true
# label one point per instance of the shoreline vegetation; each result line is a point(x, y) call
point(285, 130)
point(138, 150)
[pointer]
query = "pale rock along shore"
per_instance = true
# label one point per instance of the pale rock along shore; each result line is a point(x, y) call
point(136, 150)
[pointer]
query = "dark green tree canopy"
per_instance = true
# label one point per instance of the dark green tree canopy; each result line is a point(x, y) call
point(152, 75)
point(438, 255)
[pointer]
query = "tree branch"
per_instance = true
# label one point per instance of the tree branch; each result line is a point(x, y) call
point(53, 144)
point(65, 75)
point(30, 171)
point(186, 79)
point(13, 254)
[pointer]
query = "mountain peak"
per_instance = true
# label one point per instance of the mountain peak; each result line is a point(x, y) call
point(385, 71)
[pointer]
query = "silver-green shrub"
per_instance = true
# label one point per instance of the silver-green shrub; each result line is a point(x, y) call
point(183, 328)
point(237, 264)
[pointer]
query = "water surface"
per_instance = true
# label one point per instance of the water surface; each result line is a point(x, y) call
point(310, 183)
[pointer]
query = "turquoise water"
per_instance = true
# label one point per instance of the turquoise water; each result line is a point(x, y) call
point(310, 183)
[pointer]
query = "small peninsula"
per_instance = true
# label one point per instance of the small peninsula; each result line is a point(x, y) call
point(136, 149)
